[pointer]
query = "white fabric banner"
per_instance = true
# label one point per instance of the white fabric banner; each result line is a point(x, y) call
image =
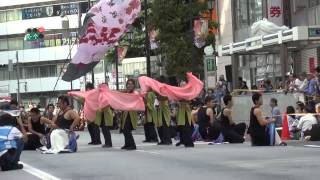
point(275, 12)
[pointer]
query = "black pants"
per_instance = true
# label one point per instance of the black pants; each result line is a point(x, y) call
point(209, 133)
point(106, 133)
point(150, 132)
point(186, 134)
point(127, 132)
point(12, 156)
point(164, 132)
point(259, 138)
point(94, 132)
point(234, 134)
point(33, 142)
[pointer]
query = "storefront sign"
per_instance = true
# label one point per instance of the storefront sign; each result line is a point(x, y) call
point(312, 64)
point(54, 10)
point(275, 12)
point(314, 32)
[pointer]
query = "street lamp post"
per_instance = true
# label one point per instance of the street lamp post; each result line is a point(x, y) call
point(66, 28)
point(130, 37)
point(92, 72)
point(147, 41)
point(117, 64)
point(18, 79)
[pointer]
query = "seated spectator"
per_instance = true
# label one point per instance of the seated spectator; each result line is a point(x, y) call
point(232, 132)
point(11, 144)
point(254, 87)
point(268, 86)
point(299, 108)
point(49, 113)
point(314, 134)
point(208, 126)
point(37, 128)
point(306, 121)
point(292, 122)
point(62, 137)
point(318, 112)
point(210, 93)
point(18, 123)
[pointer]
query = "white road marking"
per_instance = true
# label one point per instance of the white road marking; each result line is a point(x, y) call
point(38, 173)
point(313, 146)
point(150, 152)
point(143, 145)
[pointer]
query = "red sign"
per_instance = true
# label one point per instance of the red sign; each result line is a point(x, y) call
point(312, 64)
point(275, 11)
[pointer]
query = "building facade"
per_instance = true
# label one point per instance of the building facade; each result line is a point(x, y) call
point(40, 61)
point(274, 62)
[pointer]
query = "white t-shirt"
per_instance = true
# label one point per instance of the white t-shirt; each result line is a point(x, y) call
point(306, 122)
point(298, 82)
point(303, 85)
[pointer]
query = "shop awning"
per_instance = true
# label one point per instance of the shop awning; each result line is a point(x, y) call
point(299, 36)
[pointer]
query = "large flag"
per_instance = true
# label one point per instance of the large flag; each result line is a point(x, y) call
point(122, 52)
point(104, 24)
point(152, 38)
point(200, 29)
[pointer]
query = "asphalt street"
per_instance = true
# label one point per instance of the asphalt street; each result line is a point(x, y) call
point(225, 161)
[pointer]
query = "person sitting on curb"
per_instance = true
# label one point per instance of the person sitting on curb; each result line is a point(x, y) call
point(11, 143)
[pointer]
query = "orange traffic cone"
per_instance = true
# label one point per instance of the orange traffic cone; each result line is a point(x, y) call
point(285, 134)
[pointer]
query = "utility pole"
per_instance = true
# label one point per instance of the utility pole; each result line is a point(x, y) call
point(147, 41)
point(18, 79)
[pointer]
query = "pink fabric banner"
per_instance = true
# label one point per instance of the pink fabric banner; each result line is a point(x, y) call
point(102, 97)
point(188, 92)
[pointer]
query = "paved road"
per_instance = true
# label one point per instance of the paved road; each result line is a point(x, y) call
point(150, 161)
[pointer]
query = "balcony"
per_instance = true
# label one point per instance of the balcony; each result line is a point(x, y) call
point(38, 55)
point(39, 85)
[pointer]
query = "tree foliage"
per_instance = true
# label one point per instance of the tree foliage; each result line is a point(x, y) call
point(174, 21)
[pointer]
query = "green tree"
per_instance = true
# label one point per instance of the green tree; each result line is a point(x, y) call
point(174, 21)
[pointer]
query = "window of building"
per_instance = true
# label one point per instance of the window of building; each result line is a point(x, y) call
point(52, 71)
point(255, 11)
point(44, 71)
point(313, 3)
point(3, 73)
point(247, 12)
point(3, 16)
point(15, 43)
point(48, 71)
point(3, 44)
point(241, 11)
point(31, 72)
point(14, 15)
point(58, 39)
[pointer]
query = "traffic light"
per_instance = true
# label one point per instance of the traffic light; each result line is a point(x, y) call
point(33, 34)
